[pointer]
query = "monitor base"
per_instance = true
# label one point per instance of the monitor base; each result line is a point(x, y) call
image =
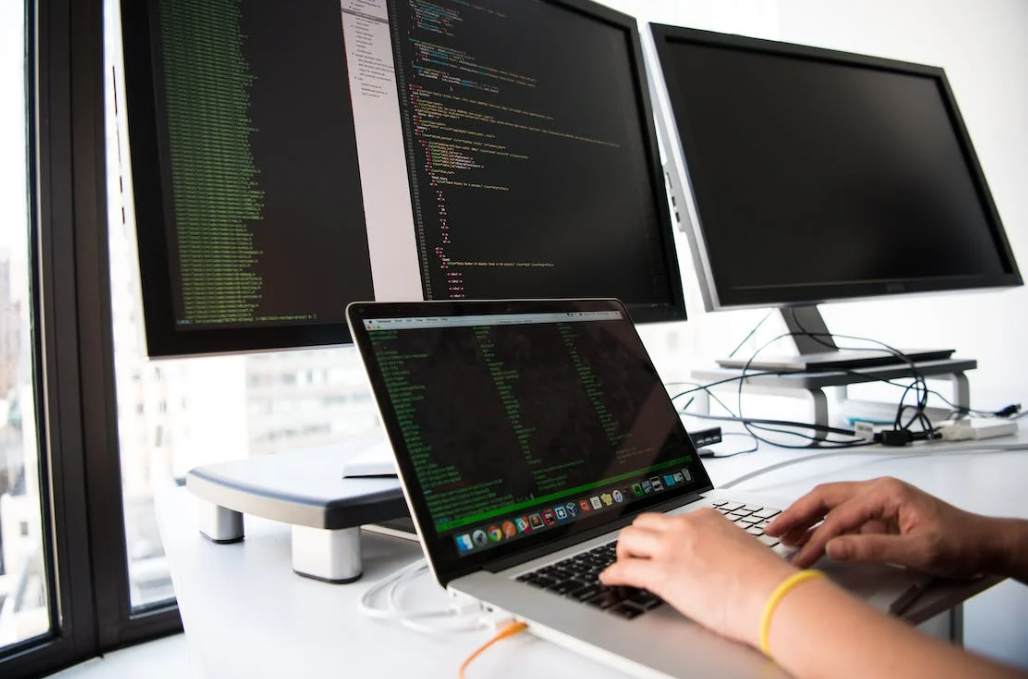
point(840, 360)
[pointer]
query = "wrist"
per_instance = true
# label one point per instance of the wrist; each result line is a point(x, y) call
point(797, 579)
point(759, 597)
point(1007, 548)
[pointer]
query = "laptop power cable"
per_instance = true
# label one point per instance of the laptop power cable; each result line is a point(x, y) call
point(460, 616)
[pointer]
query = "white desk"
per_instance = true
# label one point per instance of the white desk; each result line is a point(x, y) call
point(247, 615)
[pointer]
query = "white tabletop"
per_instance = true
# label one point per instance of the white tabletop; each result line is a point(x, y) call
point(247, 615)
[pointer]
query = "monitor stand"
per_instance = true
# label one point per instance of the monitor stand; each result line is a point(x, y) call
point(817, 351)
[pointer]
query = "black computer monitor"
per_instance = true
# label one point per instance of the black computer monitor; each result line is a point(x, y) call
point(534, 166)
point(808, 175)
point(269, 163)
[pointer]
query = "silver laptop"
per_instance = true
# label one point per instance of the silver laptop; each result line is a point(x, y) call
point(526, 434)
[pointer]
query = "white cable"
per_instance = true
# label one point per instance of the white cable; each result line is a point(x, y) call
point(978, 447)
point(450, 619)
point(366, 605)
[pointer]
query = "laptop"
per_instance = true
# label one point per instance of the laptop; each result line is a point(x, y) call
point(526, 434)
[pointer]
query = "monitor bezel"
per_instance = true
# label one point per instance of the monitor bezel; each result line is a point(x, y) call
point(641, 312)
point(678, 145)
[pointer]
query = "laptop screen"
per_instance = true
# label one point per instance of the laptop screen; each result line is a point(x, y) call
point(521, 423)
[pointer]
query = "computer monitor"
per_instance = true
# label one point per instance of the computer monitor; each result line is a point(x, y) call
point(271, 142)
point(533, 161)
point(807, 175)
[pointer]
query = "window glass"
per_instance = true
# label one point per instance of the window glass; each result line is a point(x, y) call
point(24, 599)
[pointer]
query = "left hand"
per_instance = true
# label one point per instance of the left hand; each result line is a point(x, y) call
point(703, 565)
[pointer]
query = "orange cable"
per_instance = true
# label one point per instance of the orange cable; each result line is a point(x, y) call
point(508, 631)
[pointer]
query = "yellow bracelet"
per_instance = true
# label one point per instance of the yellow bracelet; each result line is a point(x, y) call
point(772, 603)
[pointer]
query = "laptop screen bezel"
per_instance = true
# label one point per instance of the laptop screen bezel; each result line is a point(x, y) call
point(446, 564)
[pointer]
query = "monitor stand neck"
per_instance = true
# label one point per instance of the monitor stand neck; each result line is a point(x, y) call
point(808, 328)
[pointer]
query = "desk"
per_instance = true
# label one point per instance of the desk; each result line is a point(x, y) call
point(247, 615)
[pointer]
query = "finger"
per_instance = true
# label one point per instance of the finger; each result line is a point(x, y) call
point(797, 537)
point(641, 573)
point(876, 526)
point(846, 518)
point(898, 549)
point(652, 521)
point(639, 542)
point(813, 507)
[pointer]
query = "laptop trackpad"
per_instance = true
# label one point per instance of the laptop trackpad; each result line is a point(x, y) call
point(890, 589)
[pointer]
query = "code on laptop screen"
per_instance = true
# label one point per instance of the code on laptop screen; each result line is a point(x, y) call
point(519, 423)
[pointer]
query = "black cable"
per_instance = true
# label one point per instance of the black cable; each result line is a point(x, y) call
point(750, 334)
point(774, 423)
point(814, 441)
point(920, 386)
point(747, 451)
point(765, 425)
point(1012, 411)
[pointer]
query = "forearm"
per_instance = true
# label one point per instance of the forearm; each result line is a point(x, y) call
point(1012, 545)
point(818, 630)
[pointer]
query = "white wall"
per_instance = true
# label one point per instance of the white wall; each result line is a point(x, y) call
point(982, 46)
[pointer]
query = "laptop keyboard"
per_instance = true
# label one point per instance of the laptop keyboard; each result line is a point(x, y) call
point(751, 518)
point(577, 577)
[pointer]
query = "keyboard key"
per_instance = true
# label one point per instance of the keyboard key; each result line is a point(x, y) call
point(753, 508)
point(754, 531)
point(767, 513)
point(768, 540)
point(568, 587)
point(719, 503)
point(646, 600)
point(626, 610)
point(731, 506)
point(586, 593)
point(609, 596)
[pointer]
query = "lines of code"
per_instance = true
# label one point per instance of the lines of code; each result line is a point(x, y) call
point(261, 184)
point(214, 179)
point(499, 415)
point(447, 492)
point(529, 172)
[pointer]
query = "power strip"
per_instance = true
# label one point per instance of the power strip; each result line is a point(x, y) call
point(976, 429)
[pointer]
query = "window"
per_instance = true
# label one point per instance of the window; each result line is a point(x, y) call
point(24, 595)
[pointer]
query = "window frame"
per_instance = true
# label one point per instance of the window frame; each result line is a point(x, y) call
point(83, 517)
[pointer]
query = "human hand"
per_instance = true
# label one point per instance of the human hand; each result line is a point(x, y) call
point(703, 565)
point(889, 521)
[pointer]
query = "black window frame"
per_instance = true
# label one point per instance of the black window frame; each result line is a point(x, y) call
point(83, 516)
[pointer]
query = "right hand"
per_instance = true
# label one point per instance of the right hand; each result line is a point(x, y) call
point(889, 521)
point(703, 565)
